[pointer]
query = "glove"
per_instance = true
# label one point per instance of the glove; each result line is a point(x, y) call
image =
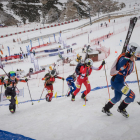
point(63, 79)
point(103, 62)
point(2, 79)
point(26, 79)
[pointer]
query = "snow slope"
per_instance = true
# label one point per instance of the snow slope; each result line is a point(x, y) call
point(62, 119)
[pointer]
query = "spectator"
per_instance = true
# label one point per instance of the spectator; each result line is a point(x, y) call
point(98, 42)
point(26, 55)
point(14, 40)
point(114, 20)
point(106, 25)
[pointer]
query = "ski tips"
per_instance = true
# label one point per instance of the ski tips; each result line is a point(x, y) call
point(84, 105)
point(109, 99)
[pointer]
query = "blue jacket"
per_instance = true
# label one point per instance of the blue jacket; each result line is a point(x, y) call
point(70, 80)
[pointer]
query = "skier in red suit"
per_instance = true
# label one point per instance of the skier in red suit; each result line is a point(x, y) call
point(83, 71)
point(49, 80)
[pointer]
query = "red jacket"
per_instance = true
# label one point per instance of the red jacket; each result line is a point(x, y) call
point(85, 71)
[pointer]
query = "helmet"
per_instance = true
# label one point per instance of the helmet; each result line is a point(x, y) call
point(74, 77)
point(88, 62)
point(11, 74)
point(53, 73)
point(133, 48)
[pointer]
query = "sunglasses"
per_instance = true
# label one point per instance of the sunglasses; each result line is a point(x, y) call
point(12, 74)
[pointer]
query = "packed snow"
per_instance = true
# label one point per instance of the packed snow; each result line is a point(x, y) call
point(63, 119)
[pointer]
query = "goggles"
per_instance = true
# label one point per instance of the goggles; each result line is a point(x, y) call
point(12, 74)
point(88, 64)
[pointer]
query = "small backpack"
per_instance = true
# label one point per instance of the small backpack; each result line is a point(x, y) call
point(113, 70)
point(77, 69)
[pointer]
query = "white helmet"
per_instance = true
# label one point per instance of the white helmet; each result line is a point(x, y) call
point(133, 48)
point(88, 62)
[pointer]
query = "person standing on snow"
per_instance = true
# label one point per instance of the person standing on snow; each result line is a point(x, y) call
point(122, 67)
point(10, 89)
point(70, 81)
point(83, 71)
point(49, 80)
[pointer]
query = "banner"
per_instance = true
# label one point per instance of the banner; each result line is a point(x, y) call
point(53, 50)
point(42, 40)
point(38, 41)
point(8, 50)
point(32, 57)
point(36, 66)
point(54, 38)
point(19, 92)
point(31, 43)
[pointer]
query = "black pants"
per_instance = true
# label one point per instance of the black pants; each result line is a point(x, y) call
point(11, 92)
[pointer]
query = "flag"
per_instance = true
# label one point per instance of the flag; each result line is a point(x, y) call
point(1, 52)
point(55, 95)
point(54, 38)
point(38, 42)
point(16, 100)
point(8, 50)
point(31, 43)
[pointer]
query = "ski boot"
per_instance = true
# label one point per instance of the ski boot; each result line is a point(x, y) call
point(107, 108)
point(73, 98)
point(123, 112)
point(48, 98)
point(107, 112)
point(12, 108)
point(84, 97)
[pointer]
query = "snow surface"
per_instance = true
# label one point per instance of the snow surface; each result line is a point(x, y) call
point(62, 119)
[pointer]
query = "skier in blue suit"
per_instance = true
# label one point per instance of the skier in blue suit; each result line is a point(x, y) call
point(123, 67)
point(70, 81)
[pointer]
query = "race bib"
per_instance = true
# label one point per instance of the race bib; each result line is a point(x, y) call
point(78, 86)
point(125, 90)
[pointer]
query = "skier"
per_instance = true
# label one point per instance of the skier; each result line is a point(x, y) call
point(122, 67)
point(49, 80)
point(70, 81)
point(10, 86)
point(83, 71)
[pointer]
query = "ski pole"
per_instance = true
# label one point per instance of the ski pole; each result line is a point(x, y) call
point(30, 93)
point(41, 94)
point(137, 78)
point(63, 82)
point(107, 82)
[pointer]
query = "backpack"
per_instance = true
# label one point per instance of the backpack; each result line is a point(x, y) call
point(77, 69)
point(113, 70)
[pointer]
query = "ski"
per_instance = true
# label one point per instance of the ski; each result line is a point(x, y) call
point(86, 52)
point(129, 33)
